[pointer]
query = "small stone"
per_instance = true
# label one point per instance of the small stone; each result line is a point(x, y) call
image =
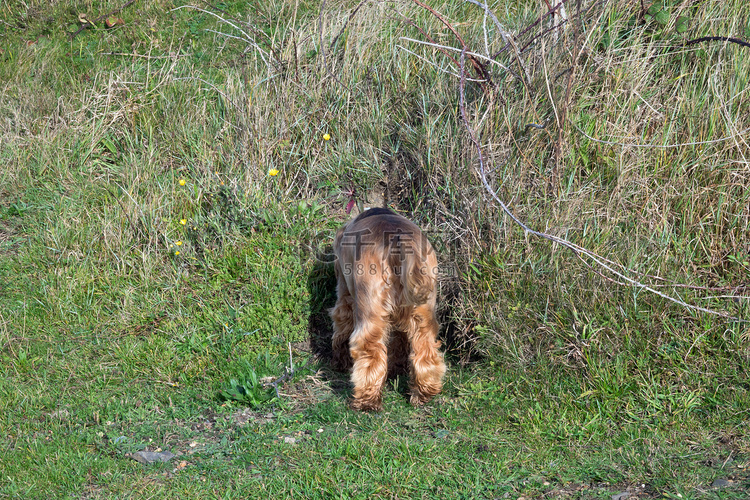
point(289, 440)
point(149, 457)
point(720, 483)
point(621, 496)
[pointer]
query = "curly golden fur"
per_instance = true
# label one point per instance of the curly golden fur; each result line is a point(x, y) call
point(384, 319)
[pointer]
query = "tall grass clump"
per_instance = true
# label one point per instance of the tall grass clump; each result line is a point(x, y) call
point(608, 130)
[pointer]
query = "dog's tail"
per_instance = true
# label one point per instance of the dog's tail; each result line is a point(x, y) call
point(415, 263)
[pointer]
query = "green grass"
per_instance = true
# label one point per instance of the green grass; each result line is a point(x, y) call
point(149, 264)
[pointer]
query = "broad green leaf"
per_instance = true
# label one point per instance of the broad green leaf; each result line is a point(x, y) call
point(654, 9)
point(662, 17)
point(682, 24)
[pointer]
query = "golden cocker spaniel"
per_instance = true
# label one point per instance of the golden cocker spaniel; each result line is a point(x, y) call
point(384, 318)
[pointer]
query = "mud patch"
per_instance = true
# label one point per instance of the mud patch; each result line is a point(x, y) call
point(10, 240)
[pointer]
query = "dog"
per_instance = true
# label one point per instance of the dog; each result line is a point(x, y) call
point(384, 318)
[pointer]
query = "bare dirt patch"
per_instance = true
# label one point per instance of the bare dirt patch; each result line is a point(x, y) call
point(9, 239)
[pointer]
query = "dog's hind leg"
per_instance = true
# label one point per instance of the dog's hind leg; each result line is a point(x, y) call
point(427, 364)
point(369, 352)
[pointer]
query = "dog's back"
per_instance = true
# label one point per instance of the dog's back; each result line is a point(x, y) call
point(381, 242)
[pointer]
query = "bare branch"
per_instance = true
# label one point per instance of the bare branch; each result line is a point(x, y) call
point(478, 68)
point(440, 47)
point(253, 44)
point(660, 146)
point(505, 35)
point(323, 50)
point(348, 20)
point(288, 373)
point(446, 47)
point(229, 99)
point(247, 38)
point(739, 42)
point(441, 69)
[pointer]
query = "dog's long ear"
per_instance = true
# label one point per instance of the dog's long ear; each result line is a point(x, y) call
point(418, 277)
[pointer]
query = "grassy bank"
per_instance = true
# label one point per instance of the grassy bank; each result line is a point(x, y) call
point(170, 185)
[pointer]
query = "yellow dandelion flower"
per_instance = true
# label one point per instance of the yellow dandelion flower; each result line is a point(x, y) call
point(178, 243)
point(273, 172)
point(177, 252)
point(326, 137)
point(182, 182)
point(183, 222)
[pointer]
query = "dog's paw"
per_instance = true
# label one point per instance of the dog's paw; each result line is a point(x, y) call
point(419, 399)
point(367, 404)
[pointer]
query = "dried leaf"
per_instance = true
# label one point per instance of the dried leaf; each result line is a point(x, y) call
point(85, 20)
point(113, 21)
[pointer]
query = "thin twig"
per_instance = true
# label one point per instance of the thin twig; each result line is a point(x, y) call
point(251, 27)
point(441, 69)
point(543, 33)
point(505, 35)
point(323, 49)
point(446, 47)
point(659, 146)
point(720, 39)
point(428, 37)
point(530, 26)
point(671, 284)
point(561, 241)
point(478, 67)
point(348, 19)
point(320, 35)
point(247, 39)
point(250, 42)
point(287, 375)
point(213, 87)
point(145, 56)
